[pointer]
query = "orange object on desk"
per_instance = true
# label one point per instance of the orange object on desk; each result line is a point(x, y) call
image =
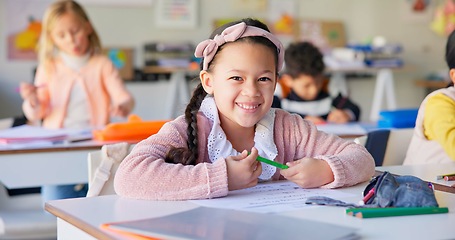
point(135, 129)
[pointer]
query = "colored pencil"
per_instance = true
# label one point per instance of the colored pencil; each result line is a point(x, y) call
point(273, 163)
point(440, 177)
point(270, 162)
point(394, 211)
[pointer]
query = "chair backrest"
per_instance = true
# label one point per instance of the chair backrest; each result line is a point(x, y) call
point(387, 146)
point(102, 166)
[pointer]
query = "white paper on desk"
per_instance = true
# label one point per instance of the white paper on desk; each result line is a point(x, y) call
point(271, 197)
point(26, 134)
point(342, 129)
point(222, 224)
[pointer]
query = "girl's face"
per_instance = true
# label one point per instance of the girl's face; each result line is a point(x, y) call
point(242, 81)
point(71, 35)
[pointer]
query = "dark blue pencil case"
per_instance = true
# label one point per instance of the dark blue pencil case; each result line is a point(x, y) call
point(389, 191)
point(400, 191)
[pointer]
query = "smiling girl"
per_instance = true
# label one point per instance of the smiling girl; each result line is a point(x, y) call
point(204, 154)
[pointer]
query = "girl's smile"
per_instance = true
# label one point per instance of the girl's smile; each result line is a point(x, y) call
point(249, 107)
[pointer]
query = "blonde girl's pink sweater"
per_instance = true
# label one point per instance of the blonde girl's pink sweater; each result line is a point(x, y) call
point(99, 79)
point(143, 174)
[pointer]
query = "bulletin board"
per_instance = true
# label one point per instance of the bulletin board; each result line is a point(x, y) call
point(122, 58)
point(22, 23)
point(176, 14)
point(324, 34)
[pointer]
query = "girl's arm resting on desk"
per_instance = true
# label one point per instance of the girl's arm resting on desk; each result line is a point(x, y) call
point(350, 163)
point(143, 174)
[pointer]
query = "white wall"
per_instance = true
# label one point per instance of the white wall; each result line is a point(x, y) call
point(132, 27)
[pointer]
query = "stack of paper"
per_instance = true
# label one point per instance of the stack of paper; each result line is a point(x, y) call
point(27, 134)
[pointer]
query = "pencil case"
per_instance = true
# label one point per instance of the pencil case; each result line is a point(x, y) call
point(387, 190)
point(399, 191)
point(134, 130)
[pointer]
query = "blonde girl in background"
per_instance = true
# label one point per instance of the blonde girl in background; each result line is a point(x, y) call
point(75, 86)
point(204, 154)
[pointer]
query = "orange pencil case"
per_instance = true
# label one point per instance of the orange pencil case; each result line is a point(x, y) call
point(133, 130)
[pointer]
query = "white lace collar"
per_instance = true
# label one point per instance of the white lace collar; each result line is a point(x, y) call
point(219, 146)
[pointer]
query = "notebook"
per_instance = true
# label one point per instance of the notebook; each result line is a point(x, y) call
point(214, 224)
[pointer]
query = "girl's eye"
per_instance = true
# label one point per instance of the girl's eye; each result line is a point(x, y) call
point(236, 78)
point(264, 79)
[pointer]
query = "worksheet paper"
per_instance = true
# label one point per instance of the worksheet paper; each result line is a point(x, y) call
point(273, 197)
point(40, 136)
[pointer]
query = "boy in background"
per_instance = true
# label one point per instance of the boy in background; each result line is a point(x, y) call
point(304, 77)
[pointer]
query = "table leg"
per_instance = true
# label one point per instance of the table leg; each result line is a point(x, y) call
point(384, 85)
point(338, 84)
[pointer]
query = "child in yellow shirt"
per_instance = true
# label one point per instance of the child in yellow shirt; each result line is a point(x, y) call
point(434, 133)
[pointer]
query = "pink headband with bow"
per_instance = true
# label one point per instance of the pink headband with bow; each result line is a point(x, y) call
point(208, 48)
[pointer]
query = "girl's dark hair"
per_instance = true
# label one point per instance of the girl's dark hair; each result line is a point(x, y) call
point(450, 51)
point(188, 156)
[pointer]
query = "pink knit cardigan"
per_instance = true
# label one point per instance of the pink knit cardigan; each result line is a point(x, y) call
point(143, 174)
point(100, 81)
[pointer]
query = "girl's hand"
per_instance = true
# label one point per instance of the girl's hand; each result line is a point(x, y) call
point(338, 116)
point(123, 109)
point(29, 93)
point(243, 170)
point(308, 172)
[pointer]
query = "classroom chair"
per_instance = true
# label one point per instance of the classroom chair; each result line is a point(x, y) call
point(6, 123)
point(387, 146)
point(23, 217)
point(102, 166)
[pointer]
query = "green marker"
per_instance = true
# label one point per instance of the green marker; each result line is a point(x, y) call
point(394, 211)
point(270, 162)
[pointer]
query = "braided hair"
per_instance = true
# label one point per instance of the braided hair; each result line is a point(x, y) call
point(189, 155)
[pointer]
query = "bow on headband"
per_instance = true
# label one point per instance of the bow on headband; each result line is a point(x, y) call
point(208, 48)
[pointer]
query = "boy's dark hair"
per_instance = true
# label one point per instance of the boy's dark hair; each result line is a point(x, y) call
point(450, 53)
point(450, 50)
point(303, 58)
point(188, 156)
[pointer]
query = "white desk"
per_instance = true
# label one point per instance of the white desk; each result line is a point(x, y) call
point(81, 218)
point(36, 166)
point(32, 166)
